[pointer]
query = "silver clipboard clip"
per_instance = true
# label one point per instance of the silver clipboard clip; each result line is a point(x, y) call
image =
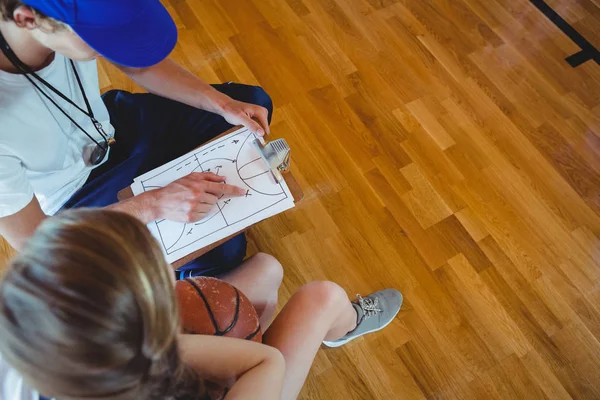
point(276, 155)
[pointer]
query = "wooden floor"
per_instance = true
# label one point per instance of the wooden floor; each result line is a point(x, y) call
point(446, 149)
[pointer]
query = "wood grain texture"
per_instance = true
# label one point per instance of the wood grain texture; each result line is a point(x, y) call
point(445, 148)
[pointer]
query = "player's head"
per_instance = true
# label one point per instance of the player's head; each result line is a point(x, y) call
point(133, 33)
point(87, 311)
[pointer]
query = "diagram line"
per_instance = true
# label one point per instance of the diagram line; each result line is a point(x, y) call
point(221, 211)
point(168, 169)
point(179, 238)
point(237, 157)
point(218, 158)
point(254, 176)
point(244, 179)
point(211, 217)
point(194, 153)
point(216, 142)
point(202, 222)
point(162, 241)
point(266, 194)
point(249, 162)
point(181, 243)
point(220, 229)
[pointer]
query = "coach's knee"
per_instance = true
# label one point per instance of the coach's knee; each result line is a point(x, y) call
point(258, 96)
point(325, 294)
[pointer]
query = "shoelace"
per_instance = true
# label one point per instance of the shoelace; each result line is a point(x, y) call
point(368, 305)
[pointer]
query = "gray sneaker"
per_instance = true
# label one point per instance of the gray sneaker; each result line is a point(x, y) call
point(373, 313)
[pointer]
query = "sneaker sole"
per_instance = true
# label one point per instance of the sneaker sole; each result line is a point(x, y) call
point(343, 342)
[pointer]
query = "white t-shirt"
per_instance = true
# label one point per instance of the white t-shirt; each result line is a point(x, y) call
point(42, 153)
point(12, 386)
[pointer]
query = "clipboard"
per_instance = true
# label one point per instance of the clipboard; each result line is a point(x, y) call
point(291, 182)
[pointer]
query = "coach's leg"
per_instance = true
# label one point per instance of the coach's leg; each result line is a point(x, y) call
point(182, 128)
point(151, 131)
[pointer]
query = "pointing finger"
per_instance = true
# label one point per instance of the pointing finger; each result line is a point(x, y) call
point(208, 176)
point(224, 189)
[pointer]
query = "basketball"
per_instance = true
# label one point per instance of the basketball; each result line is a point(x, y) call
point(210, 306)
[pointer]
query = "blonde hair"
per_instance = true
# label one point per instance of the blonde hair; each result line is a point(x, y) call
point(88, 311)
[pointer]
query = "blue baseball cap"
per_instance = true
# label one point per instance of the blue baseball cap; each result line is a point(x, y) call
point(132, 33)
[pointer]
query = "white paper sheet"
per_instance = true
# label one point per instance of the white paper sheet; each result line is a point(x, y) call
point(234, 157)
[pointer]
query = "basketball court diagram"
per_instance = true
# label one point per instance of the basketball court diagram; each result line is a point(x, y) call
point(234, 157)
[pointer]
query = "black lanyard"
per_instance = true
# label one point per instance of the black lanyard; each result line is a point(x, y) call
point(100, 152)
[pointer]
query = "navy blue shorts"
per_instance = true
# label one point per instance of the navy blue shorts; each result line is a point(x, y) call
point(151, 131)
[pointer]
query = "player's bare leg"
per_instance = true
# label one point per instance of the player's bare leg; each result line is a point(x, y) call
point(259, 278)
point(321, 311)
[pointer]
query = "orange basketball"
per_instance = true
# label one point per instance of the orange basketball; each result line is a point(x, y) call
point(210, 306)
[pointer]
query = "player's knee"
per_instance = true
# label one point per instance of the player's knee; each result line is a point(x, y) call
point(271, 270)
point(328, 295)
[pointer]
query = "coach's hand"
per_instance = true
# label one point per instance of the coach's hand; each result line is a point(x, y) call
point(190, 198)
point(253, 117)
